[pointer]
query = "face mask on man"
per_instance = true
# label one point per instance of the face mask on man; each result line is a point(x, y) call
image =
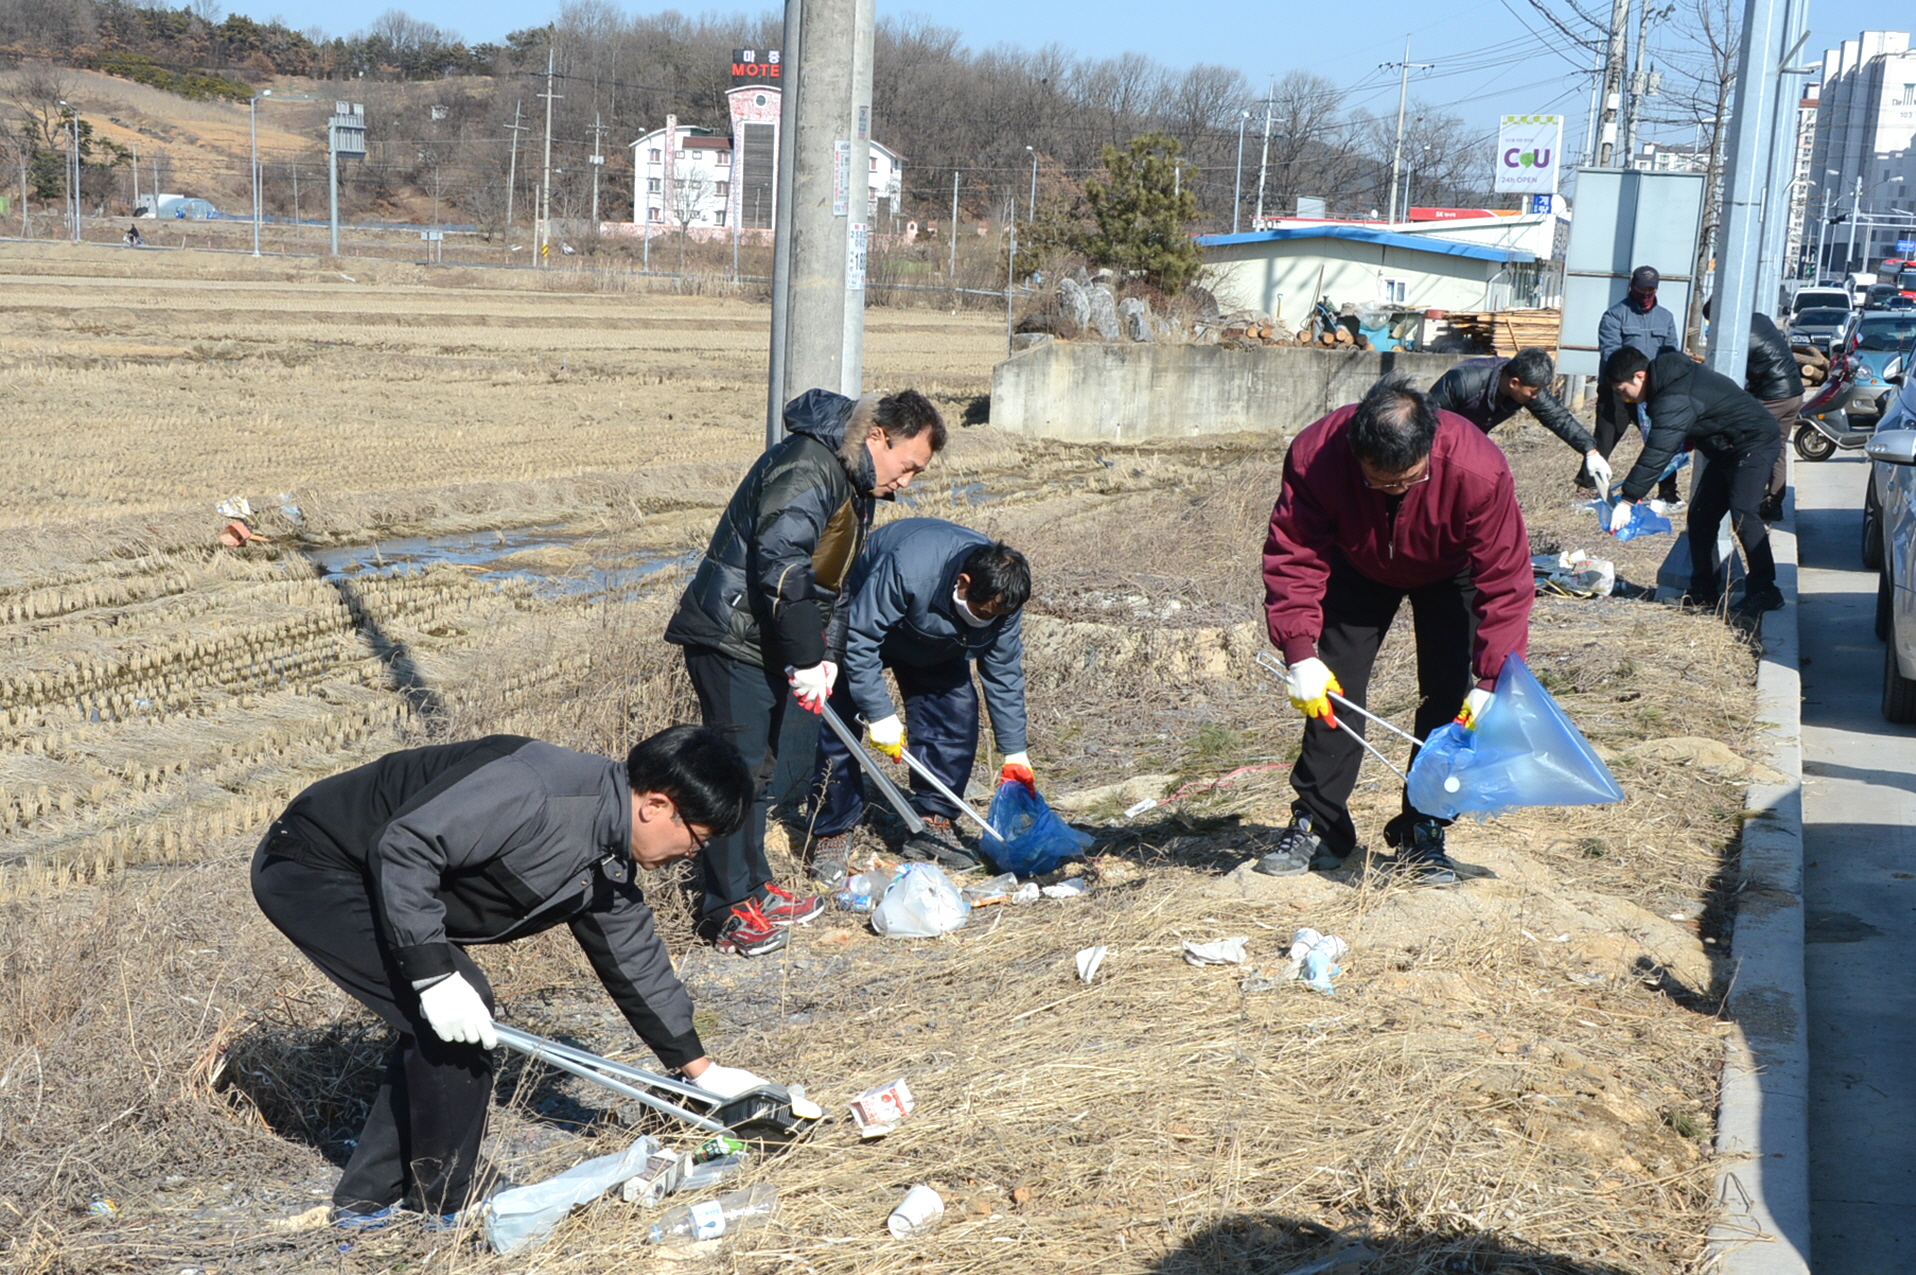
point(1643, 302)
point(965, 613)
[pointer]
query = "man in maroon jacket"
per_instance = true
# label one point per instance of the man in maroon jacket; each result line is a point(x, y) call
point(1386, 500)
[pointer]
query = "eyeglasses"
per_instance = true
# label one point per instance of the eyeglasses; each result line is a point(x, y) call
point(698, 842)
point(1399, 484)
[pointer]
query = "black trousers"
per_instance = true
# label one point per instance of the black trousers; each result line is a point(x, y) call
point(420, 1144)
point(941, 720)
point(1615, 418)
point(1733, 485)
point(1357, 614)
point(1785, 410)
point(748, 703)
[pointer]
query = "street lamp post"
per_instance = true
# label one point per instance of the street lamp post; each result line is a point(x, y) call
point(1237, 188)
point(73, 165)
point(1031, 204)
point(252, 111)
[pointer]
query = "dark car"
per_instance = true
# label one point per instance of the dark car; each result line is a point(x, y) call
point(1823, 328)
point(1880, 336)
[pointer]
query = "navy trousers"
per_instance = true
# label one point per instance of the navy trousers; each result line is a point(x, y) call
point(941, 729)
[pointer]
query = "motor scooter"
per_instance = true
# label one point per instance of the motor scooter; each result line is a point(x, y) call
point(1823, 426)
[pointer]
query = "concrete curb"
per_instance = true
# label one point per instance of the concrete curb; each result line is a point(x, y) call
point(1762, 1139)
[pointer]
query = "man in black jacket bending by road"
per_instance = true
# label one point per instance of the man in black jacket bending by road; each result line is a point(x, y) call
point(382, 876)
point(761, 622)
point(1488, 392)
point(1688, 403)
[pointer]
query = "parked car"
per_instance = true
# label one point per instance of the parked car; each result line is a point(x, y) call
point(1818, 299)
point(1892, 486)
point(1823, 327)
point(1878, 338)
point(1899, 414)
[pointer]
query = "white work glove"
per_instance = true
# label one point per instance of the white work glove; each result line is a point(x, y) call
point(726, 1083)
point(1620, 516)
point(813, 686)
point(1310, 683)
point(888, 736)
point(1018, 759)
point(457, 1013)
point(1475, 704)
point(1599, 469)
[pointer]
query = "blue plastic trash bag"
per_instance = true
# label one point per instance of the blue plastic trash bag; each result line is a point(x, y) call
point(1642, 521)
point(1524, 752)
point(1035, 841)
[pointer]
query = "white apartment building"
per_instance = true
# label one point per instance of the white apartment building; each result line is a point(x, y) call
point(708, 183)
point(1864, 154)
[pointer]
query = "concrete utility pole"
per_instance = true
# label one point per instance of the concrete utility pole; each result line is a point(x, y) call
point(512, 162)
point(1639, 81)
point(543, 237)
point(598, 163)
point(1766, 36)
point(1264, 159)
point(1237, 187)
point(951, 271)
point(1616, 62)
point(1779, 205)
point(1855, 215)
point(818, 284)
point(1403, 98)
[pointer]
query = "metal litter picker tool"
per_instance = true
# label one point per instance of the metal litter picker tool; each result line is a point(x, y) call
point(885, 785)
point(764, 1114)
point(944, 790)
point(1270, 664)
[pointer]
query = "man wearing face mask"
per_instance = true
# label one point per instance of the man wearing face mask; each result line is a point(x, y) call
point(384, 875)
point(761, 621)
point(1639, 323)
point(929, 598)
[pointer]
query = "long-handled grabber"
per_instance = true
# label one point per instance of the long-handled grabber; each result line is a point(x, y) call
point(1270, 664)
point(885, 785)
point(763, 1113)
point(944, 790)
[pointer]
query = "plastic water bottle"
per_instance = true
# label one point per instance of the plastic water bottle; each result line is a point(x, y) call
point(709, 1219)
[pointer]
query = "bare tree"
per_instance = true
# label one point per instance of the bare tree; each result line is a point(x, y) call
point(684, 200)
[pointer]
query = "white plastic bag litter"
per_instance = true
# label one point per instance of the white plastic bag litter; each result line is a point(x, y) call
point(920, 903)
point(1217, 952)
point(525, 1215)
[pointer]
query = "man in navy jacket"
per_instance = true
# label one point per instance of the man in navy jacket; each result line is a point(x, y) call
point(929, 598)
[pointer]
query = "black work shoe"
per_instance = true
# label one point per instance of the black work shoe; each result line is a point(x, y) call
point(1295, 852)
point(939, 844)
point(827, 869)
point(1771, 510)
point(1420, 855)
point(1757, 601)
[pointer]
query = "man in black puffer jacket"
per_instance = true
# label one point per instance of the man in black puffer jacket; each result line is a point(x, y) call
point(1488, 392)
point(1687, 402)
point(1772, 375)
point(761, 624)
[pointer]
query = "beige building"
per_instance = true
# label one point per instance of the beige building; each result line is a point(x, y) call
point(1283, 272)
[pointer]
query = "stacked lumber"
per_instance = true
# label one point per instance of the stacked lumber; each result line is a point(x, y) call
point(1504, 332)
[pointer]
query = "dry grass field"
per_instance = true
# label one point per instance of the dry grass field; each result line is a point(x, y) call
point(479, 497)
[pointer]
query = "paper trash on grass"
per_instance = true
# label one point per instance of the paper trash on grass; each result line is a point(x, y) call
point(524, 1215)
point(1067, 889)
point(1089, 959)
point(1314, 959)
point(879, 1111)
point(1217, 952)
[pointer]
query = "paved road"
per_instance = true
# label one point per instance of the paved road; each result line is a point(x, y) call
point(1859, 852)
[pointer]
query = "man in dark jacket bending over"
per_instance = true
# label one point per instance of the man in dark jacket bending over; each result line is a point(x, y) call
point(761, 622)
point(1488, 392)
point(928, 597)
point(1388, 500)
point(384, 875)
point(1687, 402)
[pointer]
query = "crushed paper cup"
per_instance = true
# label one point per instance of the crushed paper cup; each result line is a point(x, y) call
point(1089, 959)
point(1217, 952)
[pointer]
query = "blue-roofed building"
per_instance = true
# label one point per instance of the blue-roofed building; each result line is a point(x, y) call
point(1281, 272)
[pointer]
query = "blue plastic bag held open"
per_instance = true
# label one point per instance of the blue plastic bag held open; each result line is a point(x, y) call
point(1524, 752)
point(1035, 841)
point(1642, 521)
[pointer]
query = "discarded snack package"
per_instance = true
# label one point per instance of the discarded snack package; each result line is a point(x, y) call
point(917, 1213)
point(662, 1174)
point(879, 1111)
point(1218, 952)
point(999, 889)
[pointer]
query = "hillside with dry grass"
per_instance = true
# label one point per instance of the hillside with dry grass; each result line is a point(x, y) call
point(480, 500)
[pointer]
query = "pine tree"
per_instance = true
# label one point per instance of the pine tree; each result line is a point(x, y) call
point(1141, 214)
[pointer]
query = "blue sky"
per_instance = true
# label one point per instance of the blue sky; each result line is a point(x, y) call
point(1492, 56)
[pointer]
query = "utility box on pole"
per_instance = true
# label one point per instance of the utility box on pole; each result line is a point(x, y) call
point(345, 138)
point(822, 223)
point(1626, 217)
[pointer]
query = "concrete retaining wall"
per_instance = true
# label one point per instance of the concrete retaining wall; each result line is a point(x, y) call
point(1085, 391)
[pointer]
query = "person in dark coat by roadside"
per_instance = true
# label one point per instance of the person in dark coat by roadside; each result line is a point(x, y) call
point(928, 599)
point(1774, 377)
point(762, 622)
point(1388, 500)
point(1688, 403)
point(1488, 392)
point(383, 876)
point(1637, 322)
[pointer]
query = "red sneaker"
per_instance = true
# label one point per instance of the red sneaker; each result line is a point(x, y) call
point(783, 908)
point(747, 931)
